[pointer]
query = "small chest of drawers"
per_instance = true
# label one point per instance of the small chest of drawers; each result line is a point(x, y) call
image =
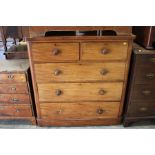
point(15, 93)
point(141, 90)
point(79, 80)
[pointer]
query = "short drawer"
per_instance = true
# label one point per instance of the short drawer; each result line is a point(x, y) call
point(16, 110)
point(13, 88)
point(58, 72)
point(94, 110)
point(143, 92)
point(53, 52)
point(12, 77)
point(145, 74)
point(15, 98)
point(104, 51)
point(52, 92)
point(141, 109)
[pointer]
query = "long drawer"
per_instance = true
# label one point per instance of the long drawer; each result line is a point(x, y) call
point(13, 88)
point(52, 92)
point(61, 72)
point(15, 98)
point(16, 110)
point(104, 50)
point(52, 52)
point(62, 111)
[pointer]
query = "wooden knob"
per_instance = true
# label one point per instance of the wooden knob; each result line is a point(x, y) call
point(102, 92)
point(57, 72)
point(103, 72)
point(100, 111)
point(55, 51)
point(58, 92)
point(104, 51)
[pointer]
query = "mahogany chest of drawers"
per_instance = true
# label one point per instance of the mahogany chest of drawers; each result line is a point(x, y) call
point(141, 90)
point(79, 80)
point(15, 93)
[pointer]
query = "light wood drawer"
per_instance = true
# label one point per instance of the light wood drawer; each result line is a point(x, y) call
point(94, 110)
point(104, 51)
point(16, 110)
point(14, 98)
point(13, 88)
point(52, 92)
point(53, 52)
point(12, 77)
point(80, 72)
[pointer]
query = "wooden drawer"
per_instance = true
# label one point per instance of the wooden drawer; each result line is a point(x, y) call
point(79, 72)
point(94, 110)
point(141, 109)
point(15, 98)
point(13, 88)
point(53, 52)
point(145, 74)
point(12, 77)
point(80, 92)
point(16, 110)
point(104, 51)
point(143, 92)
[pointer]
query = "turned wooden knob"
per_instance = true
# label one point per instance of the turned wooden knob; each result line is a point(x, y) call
point(100, 111)
point(57, 72)
point(58, 92)
point(104, 51)
point(55, 51)
point(101, 92)
point(103, 72)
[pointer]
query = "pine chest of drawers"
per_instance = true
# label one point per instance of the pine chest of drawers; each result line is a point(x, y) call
point(15, 93)
point(79, 80)
point(141, 90)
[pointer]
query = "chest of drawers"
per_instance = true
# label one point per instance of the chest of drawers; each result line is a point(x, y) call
point(15, 93)
point(79, 80)
point(141, 90)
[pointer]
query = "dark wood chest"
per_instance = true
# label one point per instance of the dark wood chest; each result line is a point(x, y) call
point(141, 88)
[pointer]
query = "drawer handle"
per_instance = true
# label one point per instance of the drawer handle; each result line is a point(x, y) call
point(13, 88)
point(101, 92)
point(58, 92)
point(150, 75)
point(143, 109)
point(14, 100)
point(55, 51)
point(100, 111)
point(146, 92)
point(57, 72)
point(103, 72)
point(17, 110)
point(10, 77)
point(104, 51)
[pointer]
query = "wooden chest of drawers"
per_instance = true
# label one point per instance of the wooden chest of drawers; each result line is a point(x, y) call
point(79, 80)
point(141, 91)
point(15, 94)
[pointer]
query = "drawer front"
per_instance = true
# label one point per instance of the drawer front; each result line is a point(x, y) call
point(13, 88)
point(143, 92)
point(104, 51)
point(12, 77)
point(145, 74)
point(141, 109)
point(17, 111)
point(15, 98)
point(94, 110)
point(80, 92)
point(79, 72)
point(49, 52)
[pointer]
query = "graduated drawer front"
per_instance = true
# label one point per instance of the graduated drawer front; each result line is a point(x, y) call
point(52, 92)
point(141, 109)
point(13, 88)
point(12, 77)
point(104, 51)
point(143, 92)
point(16, 110)
point(61, 111)
point(15, 98)
point(49, 52)
point(60, 72)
